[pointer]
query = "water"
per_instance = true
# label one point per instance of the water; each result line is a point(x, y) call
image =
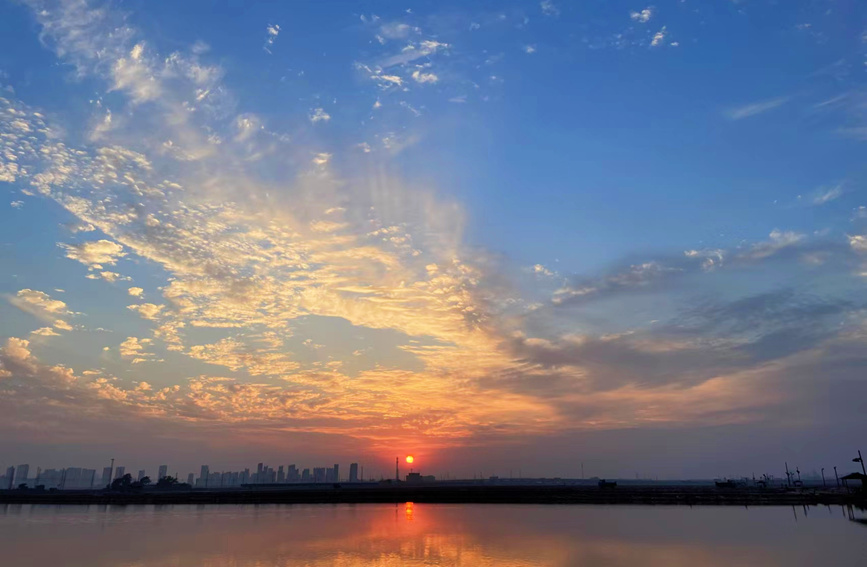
point(384, 535)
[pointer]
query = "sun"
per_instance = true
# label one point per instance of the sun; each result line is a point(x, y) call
point(409, 459)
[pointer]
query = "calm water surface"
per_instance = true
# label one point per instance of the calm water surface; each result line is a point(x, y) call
point(427, 534)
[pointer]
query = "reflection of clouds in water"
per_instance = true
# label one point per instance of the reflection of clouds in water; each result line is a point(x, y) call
point(422, 534)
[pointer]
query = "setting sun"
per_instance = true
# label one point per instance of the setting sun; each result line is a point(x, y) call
point(409, 459)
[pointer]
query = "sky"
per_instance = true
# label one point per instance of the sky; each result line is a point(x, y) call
point(499, 236)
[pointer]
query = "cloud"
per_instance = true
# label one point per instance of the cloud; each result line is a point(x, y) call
point(658, 37)
point(778, 240)
point(271, 33)
point(529, 49)
point(45, 332)
point(260, 261)
point(94, 254)
point(826, 195)
point(643, 16)
point(39, 304)
point(135, 291)
point(396, 30)
point(147, 310)
point(756, 108)
point(321, 159)
point(319, 115)
point(421, 77)
point(134, 348)
point(62, 325)
point(549, 8)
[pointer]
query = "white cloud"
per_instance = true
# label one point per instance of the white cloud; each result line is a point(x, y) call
point(321, 159)
point(94, 253)
point(16, 204)
point(135, 291)
point(549, 8)
point(421, 77)
point(529, 49)
point(826, 195)
point(271, 33)
point(541, 270)
point(778, 240)
point(858, 243)
point(396, 30)
point(643, 16)
point(658, 37)
point(319, 115)
point(756, 108)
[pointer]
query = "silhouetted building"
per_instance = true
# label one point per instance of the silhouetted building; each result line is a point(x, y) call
point(353, 472)
point(281, 476)
point(203, 476)
point(120, 472)
point(336, 473)
point(21, 474)
point(163, 472)
point(106, 476)
point(10, 478)
point(292, 474)
point(305, 475)
point(415, 477)
point(141, 475)
point(191, 479)
point(318, 474)
point(88, 477)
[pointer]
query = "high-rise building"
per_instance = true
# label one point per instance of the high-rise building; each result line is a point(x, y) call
point(305, 475)
point(141, 475)
point(281, 476)
point(292, 474)
point(191, 478)
point(318, 474)
point(120, 471)
point(106, 476)
point(21, 474)
point(88, 476)
point(336, 473)
point(10, 477)
point(353, 472)
point(203, 476)
point(164, 471)
point(71, 478)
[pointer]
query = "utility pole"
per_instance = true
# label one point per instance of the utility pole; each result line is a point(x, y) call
point(823, 477)
point(860, 459)
point(110, 473)
point(788, 475)
point(836, 477)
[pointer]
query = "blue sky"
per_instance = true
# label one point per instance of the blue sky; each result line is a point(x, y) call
point(432, 227)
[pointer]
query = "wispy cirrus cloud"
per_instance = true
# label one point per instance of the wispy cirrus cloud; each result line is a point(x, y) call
point(756, 108)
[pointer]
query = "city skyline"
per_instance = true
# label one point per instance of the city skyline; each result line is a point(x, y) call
point(529, 235)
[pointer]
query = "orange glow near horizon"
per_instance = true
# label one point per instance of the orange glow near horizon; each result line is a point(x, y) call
point(409, 459)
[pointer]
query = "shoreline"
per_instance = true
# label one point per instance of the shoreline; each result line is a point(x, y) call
point(433, 494)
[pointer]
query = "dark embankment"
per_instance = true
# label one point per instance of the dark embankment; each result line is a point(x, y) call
point(475, 494)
